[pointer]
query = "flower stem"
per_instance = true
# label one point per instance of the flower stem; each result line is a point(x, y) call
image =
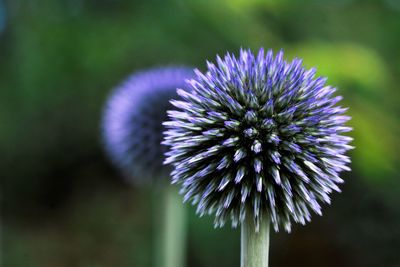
point(171, 229)
point(254, 245)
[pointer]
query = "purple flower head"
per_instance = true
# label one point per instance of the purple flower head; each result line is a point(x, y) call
point(132, 121)
point(257, 136)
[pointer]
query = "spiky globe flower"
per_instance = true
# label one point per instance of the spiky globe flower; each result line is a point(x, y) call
point(257, 136)
point(132, 121)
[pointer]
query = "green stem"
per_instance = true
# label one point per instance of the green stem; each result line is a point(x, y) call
point(171, 228)
point(254, 245)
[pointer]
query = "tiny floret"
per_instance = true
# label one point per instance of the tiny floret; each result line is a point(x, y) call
point(132, 122)
point(257, 136)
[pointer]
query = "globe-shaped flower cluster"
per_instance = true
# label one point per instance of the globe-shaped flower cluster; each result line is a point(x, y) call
point(257, 136)
point(132, 122)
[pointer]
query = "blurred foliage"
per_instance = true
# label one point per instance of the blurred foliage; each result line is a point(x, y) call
point(62, 202)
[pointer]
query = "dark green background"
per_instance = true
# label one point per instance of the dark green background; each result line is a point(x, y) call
point(63, 204)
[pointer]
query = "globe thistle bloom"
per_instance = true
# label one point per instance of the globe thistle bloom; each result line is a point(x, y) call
point(257, 136)
point(132, 121)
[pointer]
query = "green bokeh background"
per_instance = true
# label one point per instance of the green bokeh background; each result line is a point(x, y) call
point(62, 202)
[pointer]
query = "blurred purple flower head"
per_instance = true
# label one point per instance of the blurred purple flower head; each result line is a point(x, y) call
point(132, 122)
point(257, 136)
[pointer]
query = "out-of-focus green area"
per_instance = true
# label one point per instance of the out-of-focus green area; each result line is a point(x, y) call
point(63, 204)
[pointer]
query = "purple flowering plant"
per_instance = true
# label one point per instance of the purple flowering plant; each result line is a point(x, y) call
point(132, 133)
point(255, 137)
